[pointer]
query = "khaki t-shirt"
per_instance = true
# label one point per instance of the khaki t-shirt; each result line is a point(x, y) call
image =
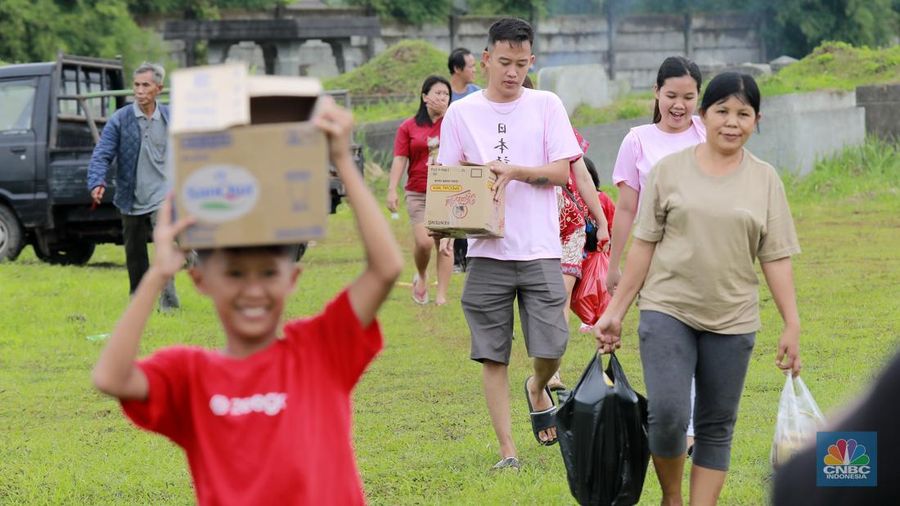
point(708, 231)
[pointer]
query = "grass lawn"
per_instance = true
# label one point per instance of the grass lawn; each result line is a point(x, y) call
point(422, 430)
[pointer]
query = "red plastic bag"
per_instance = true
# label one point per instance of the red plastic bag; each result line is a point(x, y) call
point(589, 297)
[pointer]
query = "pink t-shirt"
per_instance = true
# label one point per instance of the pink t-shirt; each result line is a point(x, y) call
point(646, 145)
point(531, 131)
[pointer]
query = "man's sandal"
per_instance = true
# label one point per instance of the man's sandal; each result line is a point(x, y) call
point(541, 420)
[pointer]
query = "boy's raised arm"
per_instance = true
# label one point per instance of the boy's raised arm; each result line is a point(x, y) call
point(384, 260)
point(115, 373)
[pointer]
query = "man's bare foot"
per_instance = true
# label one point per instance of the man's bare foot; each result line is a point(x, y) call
point(420, 296)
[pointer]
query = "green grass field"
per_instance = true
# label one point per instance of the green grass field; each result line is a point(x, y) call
point(421, 427)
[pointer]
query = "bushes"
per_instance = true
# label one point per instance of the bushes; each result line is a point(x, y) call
point(836, 66)
point(400, 69)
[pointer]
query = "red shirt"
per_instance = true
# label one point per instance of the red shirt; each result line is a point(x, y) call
point(609, 210)
point(420, 145)
point(272, 428)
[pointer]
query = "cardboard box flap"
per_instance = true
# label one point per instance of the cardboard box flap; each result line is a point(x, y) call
point(280, 99)
point(283, 86)
point(209, 98)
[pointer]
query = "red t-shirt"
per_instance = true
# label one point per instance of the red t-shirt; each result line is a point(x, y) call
point(419, 144)
point(609, 210)
point(273, 428)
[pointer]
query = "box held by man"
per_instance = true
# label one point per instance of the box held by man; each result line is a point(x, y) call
point(459, 202)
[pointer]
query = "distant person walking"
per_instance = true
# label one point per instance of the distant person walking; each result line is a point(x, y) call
point(461, 64)
point(674, 128)
point(135, 137)
point(415, 147)
point(707, 214)
point(577, 202)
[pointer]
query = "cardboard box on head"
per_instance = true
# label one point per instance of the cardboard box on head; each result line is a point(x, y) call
point(459, 201)
point(247, 163)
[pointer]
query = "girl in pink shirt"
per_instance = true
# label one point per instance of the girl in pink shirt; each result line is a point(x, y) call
point(673, 129)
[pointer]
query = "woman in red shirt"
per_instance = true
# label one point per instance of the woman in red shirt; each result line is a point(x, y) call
point(416, 147)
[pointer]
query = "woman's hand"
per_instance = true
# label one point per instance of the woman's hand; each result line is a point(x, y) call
point(788, 356)
point(392, 200)
point(603, 242)
point(438, 105)
point(608, 332)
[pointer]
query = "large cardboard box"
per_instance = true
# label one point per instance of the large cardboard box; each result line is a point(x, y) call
point(248, 165)
point(459, 201)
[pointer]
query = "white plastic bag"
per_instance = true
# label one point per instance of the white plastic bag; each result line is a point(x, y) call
point(798, 420)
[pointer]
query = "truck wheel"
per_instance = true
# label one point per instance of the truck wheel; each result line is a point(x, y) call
point(11, 236)
point(72, 253)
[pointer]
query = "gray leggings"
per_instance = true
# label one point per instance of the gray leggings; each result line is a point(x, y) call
point(672, 352)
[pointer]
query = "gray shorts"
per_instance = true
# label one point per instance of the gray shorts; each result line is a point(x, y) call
point(487, 301)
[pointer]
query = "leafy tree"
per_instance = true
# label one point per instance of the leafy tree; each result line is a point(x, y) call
point(198, 9)
point(525, 9)
point(26, 33)
point(410, 11)
point(805, 24)
point(34, 30)
point(796, 27)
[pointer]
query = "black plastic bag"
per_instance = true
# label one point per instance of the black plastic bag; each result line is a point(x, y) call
point(602, 431)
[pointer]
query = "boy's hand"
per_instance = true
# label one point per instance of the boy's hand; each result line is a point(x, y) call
point(169, 259)
point(337, 123)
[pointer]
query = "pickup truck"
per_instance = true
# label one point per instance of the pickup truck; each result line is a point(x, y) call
point(46, 141)
point(50, 116)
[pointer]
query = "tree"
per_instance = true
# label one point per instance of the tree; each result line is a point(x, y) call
point(795, 27)
point(34, 30)
point(410, 11)
point(804, 24)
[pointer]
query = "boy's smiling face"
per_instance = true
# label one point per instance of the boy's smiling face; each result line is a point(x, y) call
point(248, 289)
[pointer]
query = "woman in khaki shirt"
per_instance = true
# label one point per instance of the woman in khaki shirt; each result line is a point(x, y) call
point(707, 213)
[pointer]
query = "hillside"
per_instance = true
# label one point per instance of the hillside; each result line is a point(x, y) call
point(400, 69)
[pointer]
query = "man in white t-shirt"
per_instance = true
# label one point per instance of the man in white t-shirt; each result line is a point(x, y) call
point(525, 137)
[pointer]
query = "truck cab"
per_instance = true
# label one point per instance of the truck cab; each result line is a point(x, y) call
point(50, 118)
point(47, 135)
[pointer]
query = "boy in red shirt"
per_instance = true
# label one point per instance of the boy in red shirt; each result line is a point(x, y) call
point(266, 420)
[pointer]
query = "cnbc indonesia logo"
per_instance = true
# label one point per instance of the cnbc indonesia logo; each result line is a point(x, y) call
point(847, 461)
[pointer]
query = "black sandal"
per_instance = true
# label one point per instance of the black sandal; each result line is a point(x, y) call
point(541, 420)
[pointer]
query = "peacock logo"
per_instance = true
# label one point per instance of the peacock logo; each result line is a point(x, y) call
point(846, 452)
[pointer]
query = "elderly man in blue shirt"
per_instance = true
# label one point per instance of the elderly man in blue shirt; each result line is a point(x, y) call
point(135, 136)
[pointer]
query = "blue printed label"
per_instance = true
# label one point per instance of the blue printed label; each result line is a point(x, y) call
point(220, 193)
